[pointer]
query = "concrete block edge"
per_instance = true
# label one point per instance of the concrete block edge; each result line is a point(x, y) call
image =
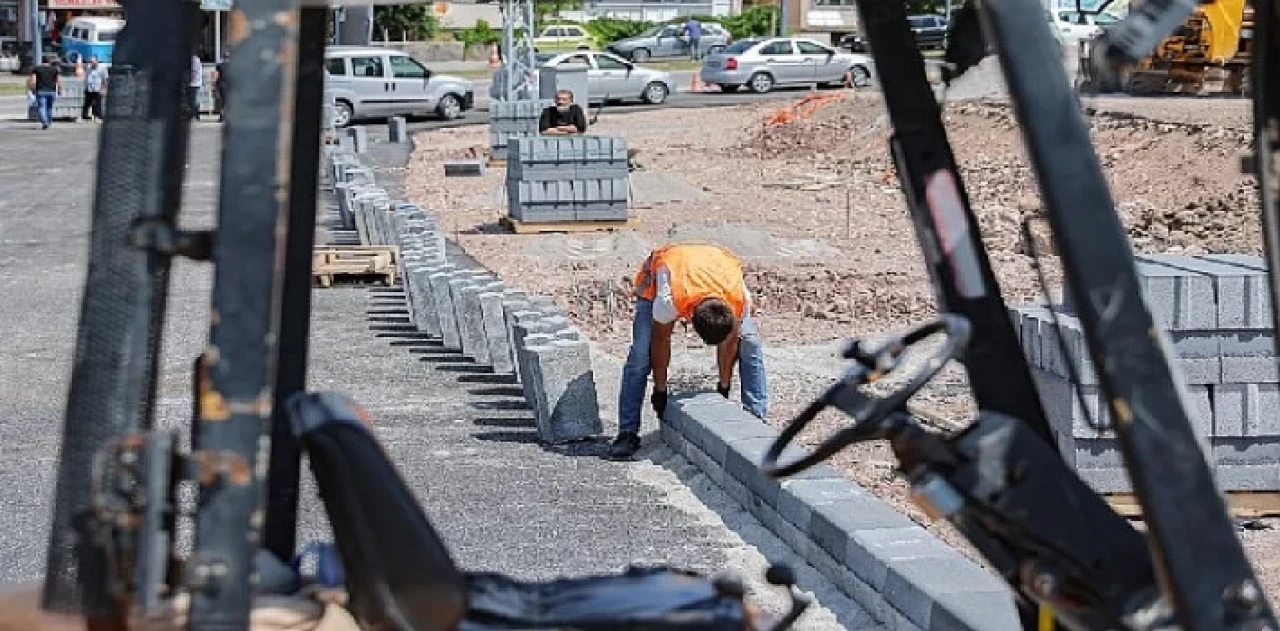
point(690, 424)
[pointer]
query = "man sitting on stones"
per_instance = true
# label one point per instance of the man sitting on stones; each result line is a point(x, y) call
point(565, 118)
point(701, 283)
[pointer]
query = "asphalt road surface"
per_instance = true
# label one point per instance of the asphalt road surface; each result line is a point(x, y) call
point(462, 439)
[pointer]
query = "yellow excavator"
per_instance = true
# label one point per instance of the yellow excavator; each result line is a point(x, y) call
point(1209, 54)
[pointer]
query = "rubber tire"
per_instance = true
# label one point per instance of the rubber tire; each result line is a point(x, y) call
point(340, 108)
point(751, 83)
point(860, 76)
point(443, 112)
point(649, 89)
point(640, 55)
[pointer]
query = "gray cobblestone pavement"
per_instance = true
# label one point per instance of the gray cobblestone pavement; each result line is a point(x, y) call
point(464, 442)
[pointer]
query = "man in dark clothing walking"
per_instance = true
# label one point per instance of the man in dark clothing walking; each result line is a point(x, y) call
point(565, 118)
point(95, 86)
point(45, 83)
point(220, 88)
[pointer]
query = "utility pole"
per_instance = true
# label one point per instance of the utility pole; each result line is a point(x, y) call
point(518, 60)
point(783, 16)
point(37, 35)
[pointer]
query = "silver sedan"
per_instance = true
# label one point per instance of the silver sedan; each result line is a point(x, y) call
point(608, 75)
point(761, 63)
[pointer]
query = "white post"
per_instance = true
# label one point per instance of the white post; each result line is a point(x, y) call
point(217, 37)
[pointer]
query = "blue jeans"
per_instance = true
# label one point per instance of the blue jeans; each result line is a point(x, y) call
point(44, 106)
point(635, 373)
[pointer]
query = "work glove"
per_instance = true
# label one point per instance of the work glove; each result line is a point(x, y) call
point(659, 402)
point(723, 390)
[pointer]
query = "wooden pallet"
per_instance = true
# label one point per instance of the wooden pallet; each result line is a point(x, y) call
point(1241, 504)
point(355, 262)
point(520, 227)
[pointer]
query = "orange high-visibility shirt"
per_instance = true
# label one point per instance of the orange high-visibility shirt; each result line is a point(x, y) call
point(693, 272)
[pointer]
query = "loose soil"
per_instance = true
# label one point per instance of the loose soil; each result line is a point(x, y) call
point(813, 206)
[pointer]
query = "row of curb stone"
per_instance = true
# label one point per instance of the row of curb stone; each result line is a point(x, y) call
point(903, 575)
point(468, 309)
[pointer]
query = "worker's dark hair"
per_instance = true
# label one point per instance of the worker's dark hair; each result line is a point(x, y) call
point(713, 320)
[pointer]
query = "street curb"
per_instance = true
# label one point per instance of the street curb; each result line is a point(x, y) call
point(898, 571)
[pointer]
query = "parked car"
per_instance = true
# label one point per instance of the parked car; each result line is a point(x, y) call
point(1073, 26)
point(607, 76)
point(557, 37)
point(372, 82)
point(762, 63)
point(930, 31)
point(667, 40)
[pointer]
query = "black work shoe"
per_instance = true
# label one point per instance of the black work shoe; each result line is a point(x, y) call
point(624, 446)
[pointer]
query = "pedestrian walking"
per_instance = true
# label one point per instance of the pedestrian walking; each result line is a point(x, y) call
point(701, 283)
point(95, 89)
point(194, 85)
point(220, 87)
point(693, 29)
point(45, 83)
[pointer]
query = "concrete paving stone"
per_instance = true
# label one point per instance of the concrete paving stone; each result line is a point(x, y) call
point(914, 585)
point(1248, 477)
point(571, 333)
point(1243, 294)
point(1114, 480)
point(512, 314)
point(873, 551)
point(742, 461)
point(1247, 450)
point(1246, 343)
point(421, 306)
point(471, 324)
point(967, 611)
point(431, 307)
point(1246, 409)
point(530, 381)
point(1179, 299)
point(567, 406)
point(466, 336)
point(442, 296)
point(495, 332)
point(1249, 370)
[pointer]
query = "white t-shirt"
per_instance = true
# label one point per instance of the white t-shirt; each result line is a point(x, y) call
point(197, 72)
point(664, 303)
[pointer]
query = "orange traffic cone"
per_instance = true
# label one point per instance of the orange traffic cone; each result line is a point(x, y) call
point(494, 60)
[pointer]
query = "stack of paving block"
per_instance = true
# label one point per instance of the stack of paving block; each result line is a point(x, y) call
point(513, 119)
point(507, 330)
point(567, 178)
point(1214, 311)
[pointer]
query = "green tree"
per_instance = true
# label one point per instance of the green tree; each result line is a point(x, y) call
point(416, 21)
point(544, 8)
point(480, 34)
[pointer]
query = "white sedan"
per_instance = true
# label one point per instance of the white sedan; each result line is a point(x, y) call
point(608, 76)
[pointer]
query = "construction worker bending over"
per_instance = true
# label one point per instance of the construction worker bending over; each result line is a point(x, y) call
point(701, 283)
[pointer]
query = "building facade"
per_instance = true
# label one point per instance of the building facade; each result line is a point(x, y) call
point(652, 10)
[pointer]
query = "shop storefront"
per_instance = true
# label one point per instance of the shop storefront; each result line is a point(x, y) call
point(9, 23)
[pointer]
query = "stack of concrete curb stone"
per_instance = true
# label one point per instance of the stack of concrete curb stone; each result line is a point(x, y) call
point(567, 178)
point(1214, 311)
point(513, 119)
point(468, 309)
point(900, 572)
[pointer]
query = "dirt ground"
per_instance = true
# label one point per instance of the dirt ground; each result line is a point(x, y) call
point(814, 208)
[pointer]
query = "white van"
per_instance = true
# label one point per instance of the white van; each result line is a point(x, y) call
point(373, 82)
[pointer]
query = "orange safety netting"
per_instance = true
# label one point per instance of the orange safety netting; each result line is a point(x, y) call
point(803, 109)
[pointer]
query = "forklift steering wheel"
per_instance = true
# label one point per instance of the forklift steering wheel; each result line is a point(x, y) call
point(869, 412)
